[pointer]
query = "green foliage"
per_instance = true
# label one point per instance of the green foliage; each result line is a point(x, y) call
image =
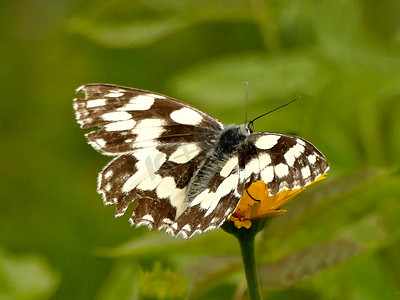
point(26, 277)
point(340, 239)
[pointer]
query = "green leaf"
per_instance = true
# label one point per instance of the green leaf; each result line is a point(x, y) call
point(306, 263)
point(363, 277)
point(121, 283)
point(126, 35)
point(113, 27)
point(162, 244)
point(284, 76)
point(26, 277)
point(162, 284)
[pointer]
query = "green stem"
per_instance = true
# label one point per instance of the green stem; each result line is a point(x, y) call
point(246, 242)
point(246, 239)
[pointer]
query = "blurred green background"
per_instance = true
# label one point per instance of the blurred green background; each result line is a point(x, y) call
point(339, 240)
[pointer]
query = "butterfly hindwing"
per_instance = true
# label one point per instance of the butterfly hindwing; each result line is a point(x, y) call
point(213, 195)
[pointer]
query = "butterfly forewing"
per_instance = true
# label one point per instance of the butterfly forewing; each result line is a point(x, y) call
point(281, 161)
point(131, 118)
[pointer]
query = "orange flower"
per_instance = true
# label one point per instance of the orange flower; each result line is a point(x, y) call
point(265, 205)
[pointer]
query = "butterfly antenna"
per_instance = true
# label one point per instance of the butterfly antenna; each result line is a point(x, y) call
point(279, 107)
point(246, 89)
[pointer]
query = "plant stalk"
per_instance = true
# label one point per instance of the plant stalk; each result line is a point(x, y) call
point(247, 248)
point(246, 238)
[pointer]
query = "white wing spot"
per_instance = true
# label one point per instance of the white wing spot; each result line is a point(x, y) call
point(298, 150)
point(79, 89)
point(100, 142)
point(293, 153)
point(167, 221)
point(264, 160)
point(149, 161)
point(150, 182)
point(251, 167)
point(211, 227)
point(281, 170)
point(301, 142)
point(116, 116)
point(133, 181)
point(156, 96)
point(95, 103)
point(121, 125)
point(312, 158)
point(305, 172)
point(120, 214)
point(151, 155)
point(115, 93)
point(186, 228)
point(267, 175)
point(178, 197)
point(229, 166)
point(145, 222)
point(164, 189)
point(184, 153)
point(148, 129)
point(267, 141)
point(199, 198)
point(186, 116)
point(207, 200)
point(289, 157)
point(108, 174)
point(229, 184)
point(141, 102)
point(148, 218)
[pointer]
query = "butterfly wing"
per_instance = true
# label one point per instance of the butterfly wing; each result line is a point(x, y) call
point(285, 163)
point(213, 199)
point(131, 119)
point(159, 143)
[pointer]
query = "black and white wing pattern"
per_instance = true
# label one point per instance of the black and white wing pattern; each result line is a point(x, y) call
point(180, 168)
point(281, 161)
point(131, 119)
point(159, 143)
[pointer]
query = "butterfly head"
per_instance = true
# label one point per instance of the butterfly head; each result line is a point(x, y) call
point(247, 129)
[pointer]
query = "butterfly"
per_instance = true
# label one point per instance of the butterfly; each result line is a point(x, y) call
point(180, 168)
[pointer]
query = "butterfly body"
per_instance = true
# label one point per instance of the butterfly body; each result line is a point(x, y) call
point(183, 169)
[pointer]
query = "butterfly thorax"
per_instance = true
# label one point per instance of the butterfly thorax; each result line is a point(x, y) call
point(208, 172)
point(230, 139)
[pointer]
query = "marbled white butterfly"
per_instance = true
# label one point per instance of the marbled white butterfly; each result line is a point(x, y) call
point(183, 169)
